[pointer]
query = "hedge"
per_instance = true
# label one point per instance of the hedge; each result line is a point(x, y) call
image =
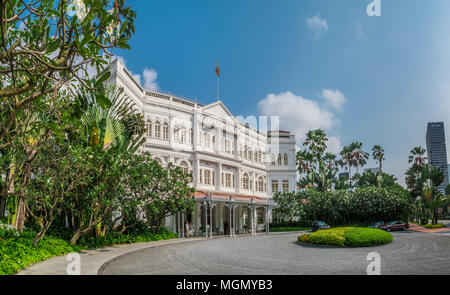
point(17, 252)
point(348, 236)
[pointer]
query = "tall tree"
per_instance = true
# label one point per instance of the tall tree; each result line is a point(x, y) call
point(378, 155)
point(417, 156)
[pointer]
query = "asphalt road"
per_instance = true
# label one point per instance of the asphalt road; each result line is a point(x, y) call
point(411, 253)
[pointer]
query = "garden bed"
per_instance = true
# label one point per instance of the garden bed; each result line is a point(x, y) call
point(347, 237)
point(434, 226)
point(17, 251)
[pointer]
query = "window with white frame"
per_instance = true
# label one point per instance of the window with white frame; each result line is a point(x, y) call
point(260, 184)
point(207, 177)
point(183, 135)
point(285, 159)
point(184, 167)
point(166, 131)
point(149, 128)
point(279, 160)
point(157, 129)
point(285, 186)
point(274, 186)
point(245, 181)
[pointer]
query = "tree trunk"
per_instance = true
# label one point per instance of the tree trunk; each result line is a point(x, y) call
point(19, 221)
point(75, 237)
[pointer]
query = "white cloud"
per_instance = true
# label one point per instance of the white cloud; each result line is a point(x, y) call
point(299, 115)
point(334, 98)
point(317, 24)
point(334, 145)
point(149, 75)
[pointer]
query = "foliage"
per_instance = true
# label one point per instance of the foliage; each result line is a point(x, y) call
point(48, 49)
point(288, 228)
point(304, 238)
point(17, 250)
point(334, 236)
point(348, 236)
point(364, 205)
point(366, 237)
point(433, 226)
point(160, 191)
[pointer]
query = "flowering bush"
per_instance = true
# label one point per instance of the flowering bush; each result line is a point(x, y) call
point(303, 238)
point(363, 206)
point(7, 231)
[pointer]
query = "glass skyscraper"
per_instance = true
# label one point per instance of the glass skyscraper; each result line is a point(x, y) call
point(437, 151)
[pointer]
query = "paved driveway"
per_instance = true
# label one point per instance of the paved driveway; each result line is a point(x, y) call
point(410, 253)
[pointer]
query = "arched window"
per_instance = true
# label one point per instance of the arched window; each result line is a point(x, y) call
point(245, 152)
point(183, 135)
point(166, 131)
point(245, 181)
point(285, 159)
point(260, 184)
point(260, 157)
point(149, 128)
point(176, 134)
point(184, 167)
point(158, 160)
point(273, 159)
point(157, 129)
point(279, 159)
point(191, 136)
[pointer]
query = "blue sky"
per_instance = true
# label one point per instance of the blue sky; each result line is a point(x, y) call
point(315, 63)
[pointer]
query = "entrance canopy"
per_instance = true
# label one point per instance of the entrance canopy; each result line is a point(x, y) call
point(220, 197)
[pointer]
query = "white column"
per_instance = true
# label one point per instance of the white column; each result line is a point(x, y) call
point(210, 220)
point(252, 219)
point(220, 211)
point(237, 177)
point(219, 177)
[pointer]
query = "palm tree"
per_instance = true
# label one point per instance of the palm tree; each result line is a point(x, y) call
point(347, 159)
point(316, 142)
point(117, 127)
point(378, 155)
point(417, 156)
point(360, 157)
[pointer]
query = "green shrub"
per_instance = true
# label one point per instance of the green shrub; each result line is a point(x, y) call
point(433, 226)
point(328, 237)
point(17, 252)
point(348, 236)
point(366, 237)
point(303, 238)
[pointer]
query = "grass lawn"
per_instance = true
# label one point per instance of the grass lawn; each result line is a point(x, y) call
point(288, 228)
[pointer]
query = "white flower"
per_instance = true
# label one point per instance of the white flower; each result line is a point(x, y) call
point(80, 9)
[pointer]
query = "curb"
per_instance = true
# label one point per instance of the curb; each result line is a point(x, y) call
point(111, 260)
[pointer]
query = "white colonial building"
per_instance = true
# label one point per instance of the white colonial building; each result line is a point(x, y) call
point(235, 168)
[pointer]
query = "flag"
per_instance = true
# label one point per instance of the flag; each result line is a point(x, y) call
point(218, 71)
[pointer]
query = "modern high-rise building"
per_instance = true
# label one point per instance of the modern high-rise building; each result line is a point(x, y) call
point(437, 150)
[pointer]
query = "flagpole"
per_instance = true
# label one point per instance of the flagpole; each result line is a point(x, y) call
point(218, 96)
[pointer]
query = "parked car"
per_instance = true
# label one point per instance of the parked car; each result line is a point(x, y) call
point(318, 225)
point(395, 225)
point(377, 224)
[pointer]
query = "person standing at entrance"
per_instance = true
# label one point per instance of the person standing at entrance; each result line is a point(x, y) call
point(187, 232)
